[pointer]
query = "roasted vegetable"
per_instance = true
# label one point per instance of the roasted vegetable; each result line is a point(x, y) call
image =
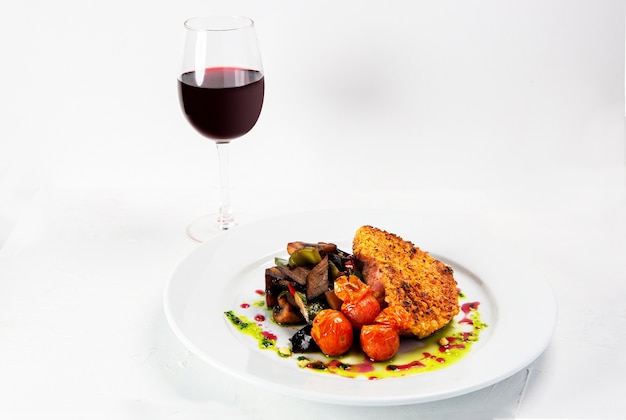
point(308, 309)
point(379, 341)
point(297, 274)
point(272, 290)
point(315, 307)
point(286, 313)
point(333, 271)
point(333, 301)
point(302, 341)
point(322, 247)
point(362, 311)
point(301, 304)
point(317, 280)
point(280, 261)
point(359, 304)
point(332, 332)
point(308, 256)
point(300, 287)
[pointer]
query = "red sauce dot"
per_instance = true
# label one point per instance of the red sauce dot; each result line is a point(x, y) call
point(466, 308)
point(245, 305)
point(269, 335)
point(260, 292)
point(259, 318)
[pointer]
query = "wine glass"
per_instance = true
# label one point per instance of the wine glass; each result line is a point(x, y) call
point(221, 89)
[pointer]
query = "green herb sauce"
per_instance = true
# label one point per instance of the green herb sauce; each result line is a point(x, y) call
point(266, 340)
point(438, 351)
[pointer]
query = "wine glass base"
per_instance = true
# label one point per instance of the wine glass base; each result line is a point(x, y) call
point(208, 226)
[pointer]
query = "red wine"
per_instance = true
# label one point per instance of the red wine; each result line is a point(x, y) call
point(225, 103)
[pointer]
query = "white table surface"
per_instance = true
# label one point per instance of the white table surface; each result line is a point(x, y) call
point(84, 335)
point(507, 114)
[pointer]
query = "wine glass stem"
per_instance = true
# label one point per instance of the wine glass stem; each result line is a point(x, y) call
point(225, 218)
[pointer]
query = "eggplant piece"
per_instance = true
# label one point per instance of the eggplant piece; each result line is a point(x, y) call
point(274, 273)
point(297, 274)
point(302, 341)
point(276, 282)
point(272, 289)
point(317, 281)
point(341, 259)
point(286, 313)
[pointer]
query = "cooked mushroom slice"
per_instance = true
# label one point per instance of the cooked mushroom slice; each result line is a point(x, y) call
point(286, 313)
point(326, 247)
point(317, 281)
point(294, 246)
point(322, 247)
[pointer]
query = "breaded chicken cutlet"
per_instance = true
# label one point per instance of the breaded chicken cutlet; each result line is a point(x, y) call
point(400, 274)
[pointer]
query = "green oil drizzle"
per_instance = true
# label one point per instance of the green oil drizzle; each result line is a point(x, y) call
point(266, 340)
point(440, 350)
point(422, 356)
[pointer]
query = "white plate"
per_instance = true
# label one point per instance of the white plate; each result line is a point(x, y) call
point(516, 303)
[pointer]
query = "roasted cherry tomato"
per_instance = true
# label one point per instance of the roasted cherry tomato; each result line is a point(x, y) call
point(350, 288)
point(332, 332)
point(394, 316)
point(379, 341)
point(359, 304)
point(361, 312)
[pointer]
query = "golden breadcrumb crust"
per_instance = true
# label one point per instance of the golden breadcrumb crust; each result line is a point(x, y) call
point(413, 279)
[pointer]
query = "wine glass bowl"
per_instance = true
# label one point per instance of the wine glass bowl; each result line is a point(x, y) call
point(222, 103)
point(221, 88)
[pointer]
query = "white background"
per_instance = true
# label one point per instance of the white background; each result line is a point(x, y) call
point(451, 94)
point(507, 113)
